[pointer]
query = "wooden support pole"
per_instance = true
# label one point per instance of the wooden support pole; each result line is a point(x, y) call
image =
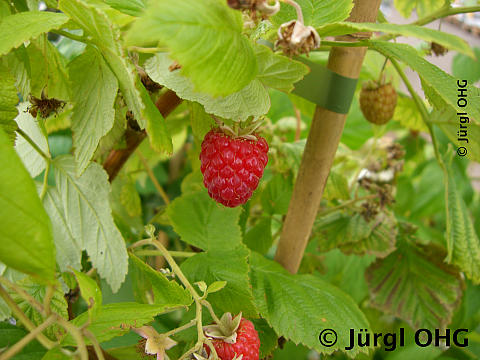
point(320, 149)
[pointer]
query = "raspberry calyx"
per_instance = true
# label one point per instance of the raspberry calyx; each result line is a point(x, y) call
point(233, 338)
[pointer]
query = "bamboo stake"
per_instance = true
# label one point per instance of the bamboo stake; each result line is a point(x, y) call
point(320, 149)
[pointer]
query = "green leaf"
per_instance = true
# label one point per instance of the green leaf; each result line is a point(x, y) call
point(316, 13)
point(449, 122)
point(216, 286)
point(408, 115)
point(464, 67)
point(8, 101)
point(117, 319)
point(129, 197)
point(448, 40)
point(347, 272)
point(18, 63)
point(201, 222)
point(200, 121)
point(94, 89)
point(268, 337)
point(337, 187)
point(414, 284)
point(205, 37)
point(277, 194)
point(165, 292)
point(87, 216)
point(299, 307)
point(115, 137)
point(252, 100)
point(423, 7)
point(27, 243)
point(11, 334)
point(228, 265)
point(278, 71)
point(441, 85)
point(157, 131)
point(463, 243)
point(107, 38)
point(58, 304)
point(31, 159)
point(90, 293)
point(69, 247)
point(353, 234)
point(55, 354)
point(259, 237)
point(130, 7)
point(20, 27)
point(48, 71)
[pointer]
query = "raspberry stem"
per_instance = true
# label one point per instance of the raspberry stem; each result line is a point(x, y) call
point(297, 7)
point(199, 300)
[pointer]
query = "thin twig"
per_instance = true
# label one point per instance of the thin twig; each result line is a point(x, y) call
point(70, 36)
point(42, 339)
point(17, 347)
point(152, 177)
point(96, 345)
point(298, 9)
point(179, 254)
point(77, 336)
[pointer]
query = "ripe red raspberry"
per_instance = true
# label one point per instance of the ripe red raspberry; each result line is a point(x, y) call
point(247, 344)
point(378, 102)
point(232, 167)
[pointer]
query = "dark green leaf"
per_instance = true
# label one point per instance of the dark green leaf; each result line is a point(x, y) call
point(299, 307)
point(224, 265)
point(165, 292)
point(414, 284)
point(201, 222)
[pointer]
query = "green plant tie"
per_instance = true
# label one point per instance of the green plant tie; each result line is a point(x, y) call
point(323, 86)
point(326, 88)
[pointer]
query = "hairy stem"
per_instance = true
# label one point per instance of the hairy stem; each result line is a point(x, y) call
point(70, 36)
point(181, 328)
point(176, 269)
point(96, 345)
point(17, 347)
point(441, 13)
point(45, 181)
point(42, 339)
point(347, 204)
point(72, 329)
point(152, 177)
point(77, 336)
point(298, 9)
point(421, 107)
point(179, 254)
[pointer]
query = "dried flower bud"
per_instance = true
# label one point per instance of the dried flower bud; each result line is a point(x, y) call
point(266, 8)
point(438, 49)
point(296, 38)
point(241, 4)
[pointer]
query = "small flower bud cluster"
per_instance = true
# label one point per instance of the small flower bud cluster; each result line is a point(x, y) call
point(265, 7)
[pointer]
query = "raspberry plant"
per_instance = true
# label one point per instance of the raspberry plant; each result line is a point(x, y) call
point(121, 123)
